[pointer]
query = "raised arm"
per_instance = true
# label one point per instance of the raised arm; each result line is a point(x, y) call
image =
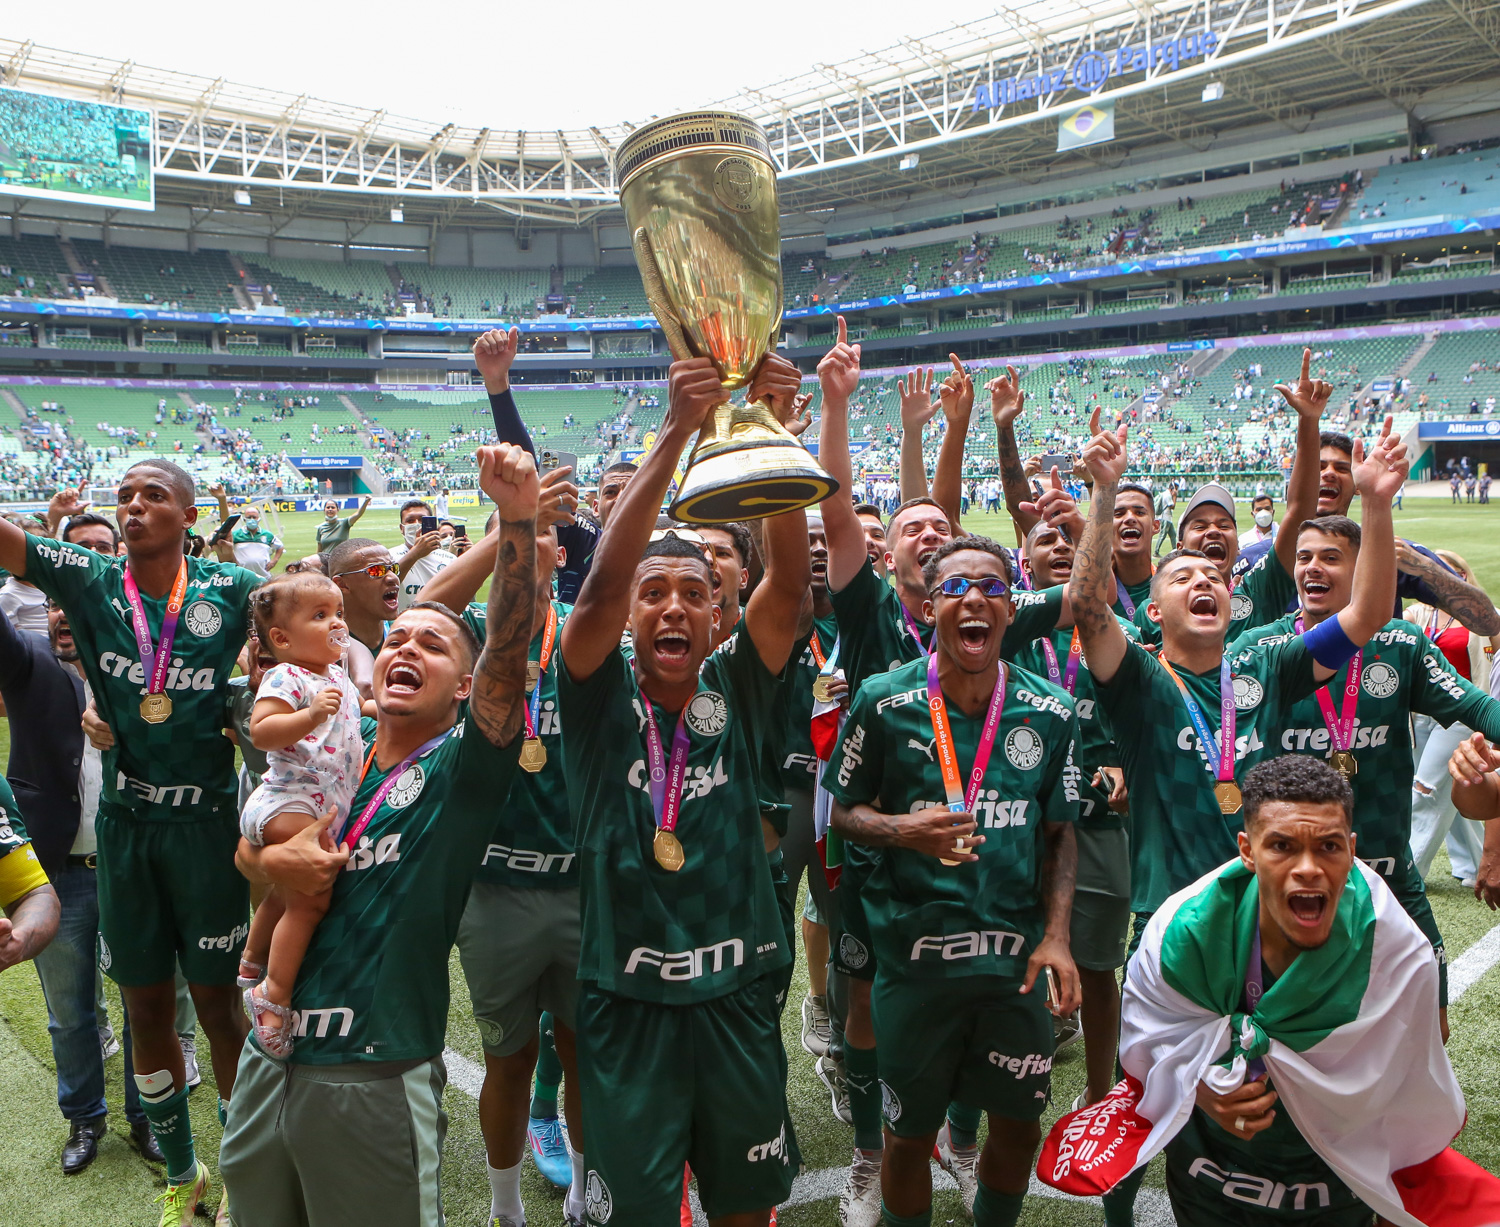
point(1007, 400)
point(493, 354)
point(1309, 397)
point(917, 408)
point(64, 505)
point(13, 549)
point(838, 373)
point(1091, 586)
point(359, 511)
point(507, 474)
point(603, 605)
point(1449, 592)
point(957, 399)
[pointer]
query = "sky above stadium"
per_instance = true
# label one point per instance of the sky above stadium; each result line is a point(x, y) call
point(509, 65)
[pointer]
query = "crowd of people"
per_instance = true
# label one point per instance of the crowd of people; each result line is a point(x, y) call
point(1008, 771)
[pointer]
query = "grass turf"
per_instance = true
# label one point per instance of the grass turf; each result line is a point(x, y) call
point(118, 1187)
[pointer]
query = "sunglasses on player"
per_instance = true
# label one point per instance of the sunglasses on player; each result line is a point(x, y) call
point(958, 585)
point(376, 570)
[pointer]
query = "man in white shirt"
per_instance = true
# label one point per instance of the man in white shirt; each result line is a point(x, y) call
point(441, 510)
point(420, 556)
point(1264, 529)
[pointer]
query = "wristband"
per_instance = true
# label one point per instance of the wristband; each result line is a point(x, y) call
point(1328, 645)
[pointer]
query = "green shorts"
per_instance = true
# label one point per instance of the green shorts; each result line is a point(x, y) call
point(519, 950)
point(1411, 893)
point(851, 947)
point(324, 1145)
point(169, 893)
point(1215, 1181)
point(974, 1040)
point(1099, 928)
point(786, 908)
point(698, 1084)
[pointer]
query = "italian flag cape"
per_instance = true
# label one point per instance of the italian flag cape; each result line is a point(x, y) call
point(1348, 1036)
point(827, 722)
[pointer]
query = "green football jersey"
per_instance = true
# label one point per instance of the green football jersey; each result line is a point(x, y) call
point(712, 927)
point(1402, 672)
point(182, 769)
point(1261, 596)
point(797, 764)
point(1095, 746)
point(1135, 596)
point(1177, 832)
point(931, 920)
point(533, 845)
point(374, 982)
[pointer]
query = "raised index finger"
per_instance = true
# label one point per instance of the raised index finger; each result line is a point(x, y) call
point(957, 365)
point(1306, 364)
point(843, 333)
point(1094, 420)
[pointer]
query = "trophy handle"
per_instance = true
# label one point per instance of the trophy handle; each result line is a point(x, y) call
point(656, 295)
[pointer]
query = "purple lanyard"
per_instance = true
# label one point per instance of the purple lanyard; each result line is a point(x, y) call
point(1057, 677)
point(666, 777)
point(1340, 727)
point(962, 799)
point(154, 660)
point(1220, 751)
point(358, 829)
point(911, 625)
point(1124, 598)
point(1255, 1069)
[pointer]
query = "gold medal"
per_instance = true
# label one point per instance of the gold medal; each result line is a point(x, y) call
point(958, 846)
point(533, 755)
point(1227, 794)
point(155, 708)
point(822, 689)
point(1343, 762)
point(533, 675)
point(668, 851)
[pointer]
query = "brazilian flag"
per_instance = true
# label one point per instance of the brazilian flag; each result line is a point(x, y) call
point(1090, 124)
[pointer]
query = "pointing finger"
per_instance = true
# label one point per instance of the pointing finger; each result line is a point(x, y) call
point(1306, 365)
point(1056, 480)
point(957, 365)
point(843, 331)
point(1094, 420)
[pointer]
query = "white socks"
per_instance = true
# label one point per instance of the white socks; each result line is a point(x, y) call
point(573, 1203)
point(505, 1193)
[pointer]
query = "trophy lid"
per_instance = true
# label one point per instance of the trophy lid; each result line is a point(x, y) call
point(691, 132)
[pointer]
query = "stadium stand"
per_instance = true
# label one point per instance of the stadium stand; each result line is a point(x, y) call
point(34, 267)
point(1459, 184)
point(197, 281)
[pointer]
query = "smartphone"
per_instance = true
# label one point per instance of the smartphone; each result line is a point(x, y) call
point(461, 530)
point(429, 524)
point(226, 528)
point(557, 460)
point(1063, 465)
point(1054, 998)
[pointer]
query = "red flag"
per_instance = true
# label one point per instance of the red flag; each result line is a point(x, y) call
point(1449, 1191)
point(1091, 1150)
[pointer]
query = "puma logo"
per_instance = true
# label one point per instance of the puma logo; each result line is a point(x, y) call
point(927, 749)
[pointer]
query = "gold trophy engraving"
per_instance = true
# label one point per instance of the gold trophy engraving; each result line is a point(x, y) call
point(699, 192)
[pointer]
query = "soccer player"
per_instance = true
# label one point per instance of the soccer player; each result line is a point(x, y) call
point(520, 932)
point(334, 530)
point(420, 556)
point(679, 1045)
point(368, 576)
point(970, 901)
point(158, 634)
point(1361, 720)
point(1422, 575)
point(730, 548)
point(255, 548)
point(1101, 900)
point(1160, 708)
point(350, 1128)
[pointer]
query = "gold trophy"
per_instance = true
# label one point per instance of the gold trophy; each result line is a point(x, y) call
point(699, 192)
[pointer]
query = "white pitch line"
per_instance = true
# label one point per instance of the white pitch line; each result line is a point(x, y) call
point(463, 1073)
point(1465, 971)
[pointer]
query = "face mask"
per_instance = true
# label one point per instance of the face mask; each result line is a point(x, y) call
point(252, 524)
point(411, 532)
point(1263, 518)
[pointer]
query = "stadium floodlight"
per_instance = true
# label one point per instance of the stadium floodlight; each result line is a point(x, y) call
point(242, 196)
point(909, 162)
point(1213, 91)
point(396, 214)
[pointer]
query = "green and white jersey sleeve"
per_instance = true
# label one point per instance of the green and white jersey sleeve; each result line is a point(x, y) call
point(374, 982)
point(1177, 832)
point(1401, 672)
point(182, 769)
point(874, 635)
point(533, 845)
point(712, 927)
point(1261, 597)
point(930, 920)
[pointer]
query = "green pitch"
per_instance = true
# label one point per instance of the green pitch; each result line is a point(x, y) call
point(118, 1188)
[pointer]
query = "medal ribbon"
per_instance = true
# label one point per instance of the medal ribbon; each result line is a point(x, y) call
point(1067, 680)
point(911, 625)
point(1220, 750)
point(358, 829)
point(666, 777)
point(1255, 1069)
point(533, 710)
point(1340, 727)
point(154, 660)
point(961, 799)
point(1124, 597)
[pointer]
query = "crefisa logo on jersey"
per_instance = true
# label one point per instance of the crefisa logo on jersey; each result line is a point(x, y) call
point(597, 1203)
point(203, 619)
point(1024, 748)
point(1380, 679)
point(707, 714)
point(408, 787)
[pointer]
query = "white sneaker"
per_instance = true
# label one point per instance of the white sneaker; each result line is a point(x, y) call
point(859, 1203)
point(189, 1045)
point(817, 1032)
point(108, 1044)
point(960, 1162)
point(832, 1073)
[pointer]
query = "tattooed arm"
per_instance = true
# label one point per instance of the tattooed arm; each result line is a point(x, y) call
point(932, 831)
point(1007, 400)
point(1464, 601)
point(507, 474)
point(1091, 586)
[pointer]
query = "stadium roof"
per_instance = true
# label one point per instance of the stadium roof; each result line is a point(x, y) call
point(840, 130)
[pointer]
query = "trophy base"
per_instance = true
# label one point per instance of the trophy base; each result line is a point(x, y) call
point(750, 481)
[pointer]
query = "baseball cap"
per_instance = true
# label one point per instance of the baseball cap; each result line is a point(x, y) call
point(1211, 493)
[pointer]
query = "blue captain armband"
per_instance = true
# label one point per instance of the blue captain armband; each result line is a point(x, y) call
point(1328, 645)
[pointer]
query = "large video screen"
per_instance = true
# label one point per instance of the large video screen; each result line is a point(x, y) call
point(64, 149)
